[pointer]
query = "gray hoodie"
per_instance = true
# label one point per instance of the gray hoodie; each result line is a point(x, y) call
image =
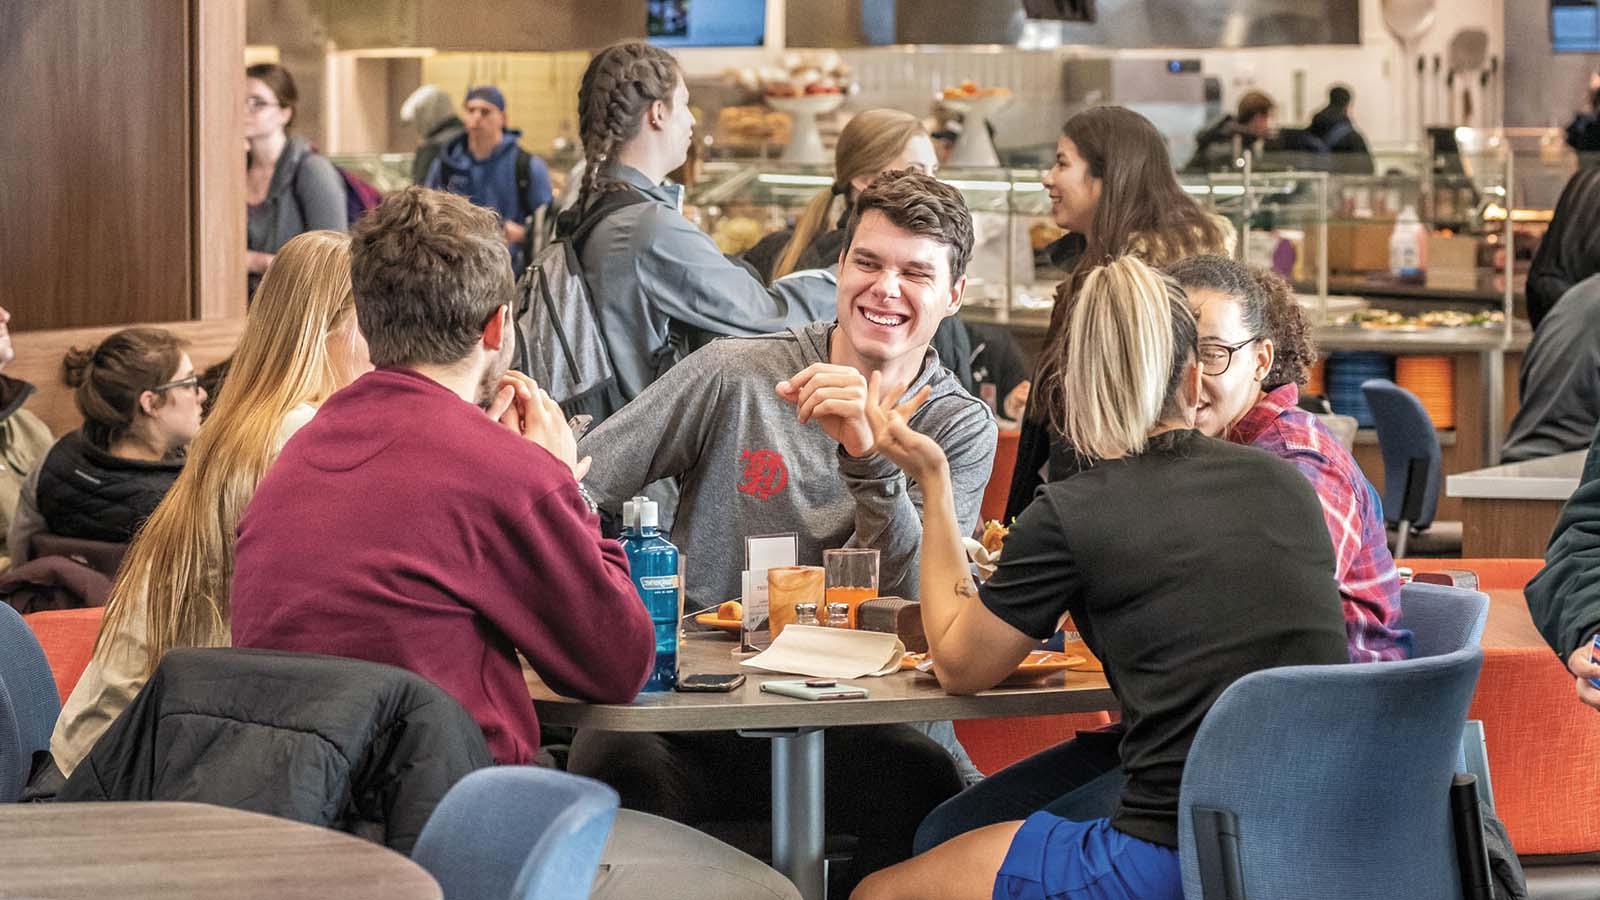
point(748, 467)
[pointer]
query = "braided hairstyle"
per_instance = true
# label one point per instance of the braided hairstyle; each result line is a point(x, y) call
point(618, 86)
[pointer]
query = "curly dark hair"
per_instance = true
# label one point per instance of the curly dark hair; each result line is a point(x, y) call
point(1268, 307)
point(922, 205)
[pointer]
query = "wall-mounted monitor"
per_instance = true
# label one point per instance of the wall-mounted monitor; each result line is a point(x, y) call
point(1574, 26)
point(706, 23)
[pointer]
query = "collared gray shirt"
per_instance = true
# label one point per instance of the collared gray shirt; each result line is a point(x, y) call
point(661, 283)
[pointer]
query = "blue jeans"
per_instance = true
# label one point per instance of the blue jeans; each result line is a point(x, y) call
point(1078, 780)
point(1054, 859)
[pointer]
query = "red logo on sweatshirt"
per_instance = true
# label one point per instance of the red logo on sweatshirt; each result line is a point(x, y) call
point(764, 474)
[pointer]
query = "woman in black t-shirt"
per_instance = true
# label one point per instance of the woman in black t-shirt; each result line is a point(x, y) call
point(1186, 563)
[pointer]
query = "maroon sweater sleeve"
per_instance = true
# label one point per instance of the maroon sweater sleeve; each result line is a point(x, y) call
point(596, 642)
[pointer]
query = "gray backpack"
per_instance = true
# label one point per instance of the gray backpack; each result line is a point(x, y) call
point(560, 341)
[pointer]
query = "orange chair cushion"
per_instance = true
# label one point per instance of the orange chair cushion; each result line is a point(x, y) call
point(67, 636)
point(999, 487)
point(994, 744)
point(1542, 746)
point(1493, 574)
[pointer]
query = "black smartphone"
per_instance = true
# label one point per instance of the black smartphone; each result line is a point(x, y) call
point(710, 683)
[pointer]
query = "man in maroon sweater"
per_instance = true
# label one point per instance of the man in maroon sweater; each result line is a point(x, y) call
point(407, 526)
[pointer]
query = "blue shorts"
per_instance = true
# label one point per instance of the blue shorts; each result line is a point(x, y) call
point(1052, 858)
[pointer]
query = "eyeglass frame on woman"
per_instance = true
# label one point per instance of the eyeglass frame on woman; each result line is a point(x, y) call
point(256, 104)
point(1231, 348)
point(192, 380)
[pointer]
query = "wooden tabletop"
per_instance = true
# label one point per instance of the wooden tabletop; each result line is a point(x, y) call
point(174, 851)
point(901, 697)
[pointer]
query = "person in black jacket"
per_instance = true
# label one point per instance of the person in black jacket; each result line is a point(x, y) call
point(1564, 598)
point(140, 400)
point(1333, 127)
point(1570, 249)
point(1583, 132)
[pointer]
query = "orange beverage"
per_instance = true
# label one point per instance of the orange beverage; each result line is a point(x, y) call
point(852, 597)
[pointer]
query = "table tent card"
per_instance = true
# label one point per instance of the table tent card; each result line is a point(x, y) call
point(761, 553)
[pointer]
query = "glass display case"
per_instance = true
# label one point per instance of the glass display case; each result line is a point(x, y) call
point(1012, 277)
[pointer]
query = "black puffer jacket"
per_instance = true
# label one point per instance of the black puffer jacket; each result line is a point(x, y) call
point(85, 492)
point(346, 744)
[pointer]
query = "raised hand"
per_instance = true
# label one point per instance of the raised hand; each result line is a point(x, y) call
point(835, 397)
point(892, 435)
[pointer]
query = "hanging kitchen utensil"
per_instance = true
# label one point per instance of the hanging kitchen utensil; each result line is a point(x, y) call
point(1407, 21)
point(1436, 97)
point(1469, 51)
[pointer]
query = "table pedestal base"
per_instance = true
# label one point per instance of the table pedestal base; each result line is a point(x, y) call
point(798, 828)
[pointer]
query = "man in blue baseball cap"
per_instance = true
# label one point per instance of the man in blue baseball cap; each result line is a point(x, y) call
point(487, 167)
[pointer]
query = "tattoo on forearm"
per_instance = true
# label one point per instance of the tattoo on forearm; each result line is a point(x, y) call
point(965, 590)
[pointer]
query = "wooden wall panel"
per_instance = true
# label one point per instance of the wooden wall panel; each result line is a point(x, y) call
point(95, 209)
point(39, 353)
point(219, 183)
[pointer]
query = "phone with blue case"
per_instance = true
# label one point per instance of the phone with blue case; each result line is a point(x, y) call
point(808, 692)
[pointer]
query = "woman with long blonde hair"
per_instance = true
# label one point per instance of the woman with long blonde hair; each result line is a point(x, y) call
point(300, 345)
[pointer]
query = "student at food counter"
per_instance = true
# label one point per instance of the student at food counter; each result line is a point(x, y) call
point(292, 188)
point(873, 142)
point(1111, 186)
point(486, 165)
point(661, 284)
point(769, 436)
point(1156, 553)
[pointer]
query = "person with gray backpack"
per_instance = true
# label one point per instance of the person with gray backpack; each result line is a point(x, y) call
point(630, 286)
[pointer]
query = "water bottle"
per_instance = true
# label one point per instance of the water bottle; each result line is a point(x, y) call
point(630, 521)
point(1406, 245)
point(653, 562)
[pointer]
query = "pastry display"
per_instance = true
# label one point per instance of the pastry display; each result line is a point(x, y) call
point(731, 611)
point(1384, 319)
point(736, 234)
point(969, 90)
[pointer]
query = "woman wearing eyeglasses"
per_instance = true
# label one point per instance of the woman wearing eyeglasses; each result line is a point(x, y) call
point(140, 402)
point(300, 345)
point(1255, 352)
point(292, 188)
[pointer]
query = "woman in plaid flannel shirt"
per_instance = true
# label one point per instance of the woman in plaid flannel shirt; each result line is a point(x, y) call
point(1255, 350)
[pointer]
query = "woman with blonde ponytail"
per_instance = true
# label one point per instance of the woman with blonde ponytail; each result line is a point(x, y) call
point(300, 345)
point(1156, 550)
point(874, 142)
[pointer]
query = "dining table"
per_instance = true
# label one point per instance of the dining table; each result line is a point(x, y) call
point(188, 851)
point(795, 728)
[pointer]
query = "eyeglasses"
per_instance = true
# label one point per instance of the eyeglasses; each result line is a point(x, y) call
point(1215, 358)
point(256, 104)
point(192, 381)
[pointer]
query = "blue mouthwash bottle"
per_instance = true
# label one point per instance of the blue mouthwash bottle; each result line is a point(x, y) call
point(653, 561)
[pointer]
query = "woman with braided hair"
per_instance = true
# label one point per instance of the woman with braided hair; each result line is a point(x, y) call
point(661, 284)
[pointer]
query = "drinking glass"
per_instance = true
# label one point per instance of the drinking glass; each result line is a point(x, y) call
point(851, 577)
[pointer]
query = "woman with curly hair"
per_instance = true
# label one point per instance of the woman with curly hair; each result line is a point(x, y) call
point(1255, 352)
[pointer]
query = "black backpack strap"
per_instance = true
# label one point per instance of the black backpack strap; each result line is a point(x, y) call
point(524, 167)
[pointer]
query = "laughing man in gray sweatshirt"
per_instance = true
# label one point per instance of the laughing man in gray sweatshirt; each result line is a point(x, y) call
point(768, 435)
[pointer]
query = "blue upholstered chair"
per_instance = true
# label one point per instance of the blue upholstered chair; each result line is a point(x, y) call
point(1413, 471)
point(1442, 619)
point(518, 833)
point(1296, 768)
point(28, 702)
